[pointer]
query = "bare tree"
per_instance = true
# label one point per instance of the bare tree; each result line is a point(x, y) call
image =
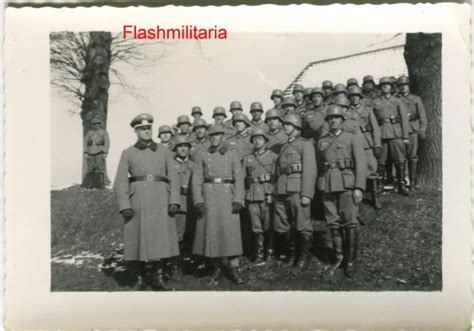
point(84, 65)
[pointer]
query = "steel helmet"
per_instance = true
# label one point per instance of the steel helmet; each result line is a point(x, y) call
point(403, 80)
point(241, 117)
point(293, 119)
point(354, 90)
point(196, 110)
point(352, 81)
point(339, 88)
point(219, 111)
point(298, 88)
point(165, 129)
point(342, 101)
point(307, 91)
point(200, 123)
point(327, 84)
point(288, 101)
point(181, 140)
point(335, 110)
point(273, 113)
point(235, 105)
point(258, 132)
point(368, 78)
point(256, 106)
point(277, 93)
point(216, 129)
point(317, 90)
point(385, 80)
point(183, 119)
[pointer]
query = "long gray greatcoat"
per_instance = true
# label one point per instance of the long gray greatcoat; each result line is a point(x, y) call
point(218, 232)
point(151, 233)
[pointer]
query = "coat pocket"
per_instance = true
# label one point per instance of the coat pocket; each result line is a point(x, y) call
point(321, 184)
point(293, 183)
point(348, 180)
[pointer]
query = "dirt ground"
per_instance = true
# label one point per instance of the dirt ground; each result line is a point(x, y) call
point(399, 250)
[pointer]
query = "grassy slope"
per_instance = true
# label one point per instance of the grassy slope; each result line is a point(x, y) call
point(400, 249)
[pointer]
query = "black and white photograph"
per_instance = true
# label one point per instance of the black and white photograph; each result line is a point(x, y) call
point(262, 162)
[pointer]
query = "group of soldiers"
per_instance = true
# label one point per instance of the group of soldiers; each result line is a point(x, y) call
point(319, 147)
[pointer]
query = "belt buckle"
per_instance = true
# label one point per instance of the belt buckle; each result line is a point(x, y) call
point(149, 178)
point(218, 180)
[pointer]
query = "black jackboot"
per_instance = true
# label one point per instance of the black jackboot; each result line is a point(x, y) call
point(352, 243)
point(215, 266)
point(375, 193)
point(231, 271)
point(156, 280)
point(412, 168)
point(337, 241)
point(381, 173)
point(140, 268)
point(268, 245)
point(402, 189)
point(289, 248)
point(304, 256)
point(259, 255)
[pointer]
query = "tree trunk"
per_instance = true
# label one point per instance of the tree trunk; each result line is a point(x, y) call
point(96, 81)
point(423, 58)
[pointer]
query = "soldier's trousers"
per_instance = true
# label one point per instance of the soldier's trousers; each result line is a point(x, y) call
point(393, 148)
point(412, 150)
point(180, 219)
point(290, 213)
point(371, 163)
point(340, 210)
point(260, 215)
point(96, 163)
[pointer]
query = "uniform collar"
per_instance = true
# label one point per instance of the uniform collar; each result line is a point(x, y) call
point(405, 95)
point(388, 96)
point(180, 160)
point(337, 133)
point(143, 145)
point(222, 149)
point(257, 122)
point(243, 134)
point(356, 106)
point(260, 151)
point(274, 132)
point(203, 140)
point(290, 140)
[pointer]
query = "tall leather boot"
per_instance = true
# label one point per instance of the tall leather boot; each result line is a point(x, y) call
point(259, 256)
point(352, 244)
point(402, 189)
point(289, 248)
point(215, 265)
point(375, 193)
point(231, 271)
point(140, 268)
point(157, 282)
point(268, 245)
point(337, 241)
point(412, 168)
point(304, 256)
point(381, 173)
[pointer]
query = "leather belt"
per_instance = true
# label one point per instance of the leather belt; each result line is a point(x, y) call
point(90, 143)
point(413, 117)
point(219, 180)
point(148, 178)
point(265, 178)
point(341, 164)
point(391, 119)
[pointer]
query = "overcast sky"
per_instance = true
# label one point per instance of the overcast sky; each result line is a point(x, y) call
point(245, 67)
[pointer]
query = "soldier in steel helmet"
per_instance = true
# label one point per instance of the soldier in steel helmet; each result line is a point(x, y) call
point(392, 118)
point(417, 129)
point(218, 197)
point(96, 149)
point(201, 140)
point(165, 134)
point(235, 109)
point(256, 110)
point(147, 190)
point(276, 136)
point(352, 82)
point(369, 89)
point(338, 90)
point(196, 112)
point(341, 179)
point(365, 117)
point(327, 89)
point(289, 106)
point(295, 183)
point(277, 98)
point(219, 115)
point(298, 93)
point(307, 96)
point(259, 168)
point(240, 141)
point(314, 118)
point(184, 126)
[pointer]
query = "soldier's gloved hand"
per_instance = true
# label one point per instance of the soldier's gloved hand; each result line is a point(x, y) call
point(127, 214)
point(305, 201)
point(422, 135)
point(236, 207)
point(173, 209)
point(86, 155)
point(406, 141)
point(377, 152)
point(357, 196)
point(200, 209)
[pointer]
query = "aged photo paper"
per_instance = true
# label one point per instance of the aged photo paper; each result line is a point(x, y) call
point(334, 193)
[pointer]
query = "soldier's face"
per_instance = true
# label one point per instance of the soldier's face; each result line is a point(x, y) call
point(240, 126)
point(355, 99)
point(386, 88)
point(256, 115)
point(289, 129)
point(327, 90)
point(317, 99)
point(184, 127)
point(289, 108)
point(335, 122)
point(404, 89)
point(197, 116)
point(277, 100)
point(144, 132)
point(219, 118)
point(200, 131)
point(298, 95)
point(165, 137)
point(258, 141)
point(236, 112)
point(273, 123)
point(216, 139)
point(369, 86)
point(182, 150)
